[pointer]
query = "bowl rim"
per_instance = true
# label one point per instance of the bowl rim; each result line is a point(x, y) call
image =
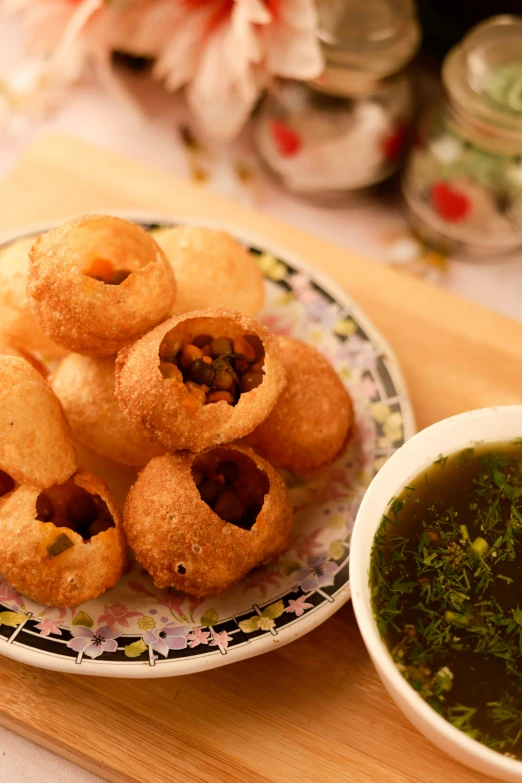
point(359, 567)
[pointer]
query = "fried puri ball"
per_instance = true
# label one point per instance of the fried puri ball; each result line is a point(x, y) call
point(200, 379)
point(85, 387)
point(200, 523)
point(17, 323)
point(7, 349)
point(62, 545)
point(35, 440)
point(212, 270)
point(312, 419)
point(97, 283)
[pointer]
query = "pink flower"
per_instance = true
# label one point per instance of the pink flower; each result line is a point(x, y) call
point(8, 595)
point(93, 643)
point(273, 37)
point(307, 545)
point(117, 613)
point(222, 51)
point(260, 579)
point(369, 387)
point(222, 639)
point(48, 626)
point(176, 604)
point(170, 637)
point(298, 606)
point(278, 323)
point(198, 637)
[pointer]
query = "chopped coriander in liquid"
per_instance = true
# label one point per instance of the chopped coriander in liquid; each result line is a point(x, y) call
point(446, 577)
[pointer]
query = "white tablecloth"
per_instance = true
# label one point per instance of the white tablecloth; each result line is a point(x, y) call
point(373, 225)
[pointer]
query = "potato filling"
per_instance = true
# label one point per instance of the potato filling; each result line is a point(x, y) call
point(213, 369)
point(72, 507)
point(103, 270)
point(232, 485)
point(7, 483)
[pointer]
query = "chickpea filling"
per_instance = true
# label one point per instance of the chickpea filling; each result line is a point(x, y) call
point(213, 368)
point(232, 485)
point(103, 270)
point(7, 483)
point(72, 507)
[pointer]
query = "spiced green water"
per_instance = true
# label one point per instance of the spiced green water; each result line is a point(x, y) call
point(446, 576)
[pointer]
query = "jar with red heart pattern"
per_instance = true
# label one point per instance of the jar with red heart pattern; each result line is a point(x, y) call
point(348, 128)
point(463, 179)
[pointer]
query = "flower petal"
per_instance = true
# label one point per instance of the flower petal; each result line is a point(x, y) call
point(310, 583)
point(175, 630)
point(327, 577)
point(93, 650)
point(315, 561)
point(177, 642)
point(79, 644)
point(81, 630)
point(302, 574)
point(150, 638)
point(161, 646)
point(111, 645)
point(107, 632)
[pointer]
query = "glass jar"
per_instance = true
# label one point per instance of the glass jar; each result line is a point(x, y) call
point(346, 129)
point(463, 180)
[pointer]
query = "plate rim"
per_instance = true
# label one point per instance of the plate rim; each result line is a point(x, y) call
point(309, 621)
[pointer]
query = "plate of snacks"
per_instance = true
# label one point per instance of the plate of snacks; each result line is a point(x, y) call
point(189, 419)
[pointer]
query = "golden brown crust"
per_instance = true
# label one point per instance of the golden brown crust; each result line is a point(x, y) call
point(85, 387)
point(17, 323)
point(86, 315)
point(212, 270)
point(7, 349)
point(78, 574)
point(312, 419)
point(164, 411)
point(167, 524)
point(35, 439)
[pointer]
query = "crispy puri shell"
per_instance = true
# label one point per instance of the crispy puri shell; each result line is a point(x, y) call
point(167, 524)
point(212, 270)
point(86, 315)
point(78, 574)
point(35, 439)
point(7, 349)
point(164, 411)
point(312, 419)
point(17, 323)
point(85, 387)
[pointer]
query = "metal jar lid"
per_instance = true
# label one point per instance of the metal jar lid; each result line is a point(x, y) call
point(483, 79)
point(364, 41)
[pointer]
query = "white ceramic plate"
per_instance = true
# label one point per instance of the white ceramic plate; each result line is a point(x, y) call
point(162, 633)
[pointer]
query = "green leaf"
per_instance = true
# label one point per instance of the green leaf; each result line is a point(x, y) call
point(289, 566)
point(135, 649)
point(250, 625)
point(82, 618)
point(517, 616)
point(209, 619)
point(336, 550)
point(12, 618)
point(274, 610)
point(59, 545)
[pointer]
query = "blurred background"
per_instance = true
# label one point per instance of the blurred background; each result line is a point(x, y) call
point(390, 127)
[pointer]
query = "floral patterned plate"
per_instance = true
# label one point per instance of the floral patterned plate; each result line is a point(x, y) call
point(136, 630)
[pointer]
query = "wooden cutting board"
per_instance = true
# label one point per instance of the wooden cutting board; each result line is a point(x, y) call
point(314, 710)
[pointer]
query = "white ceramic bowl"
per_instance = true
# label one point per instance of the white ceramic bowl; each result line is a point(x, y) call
point(450, 435)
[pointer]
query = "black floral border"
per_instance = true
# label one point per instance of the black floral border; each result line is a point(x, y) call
point(26, 634)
